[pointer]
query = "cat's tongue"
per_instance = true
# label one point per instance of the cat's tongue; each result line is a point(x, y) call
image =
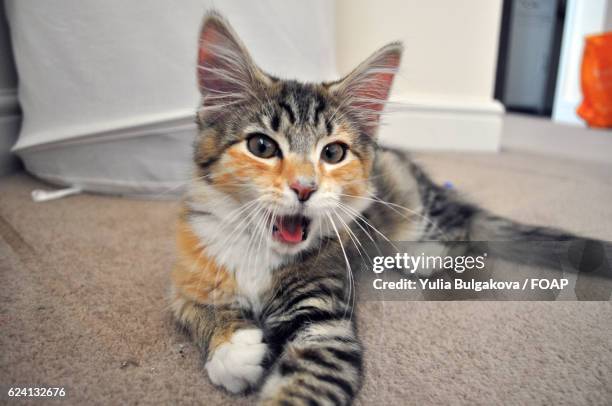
point(289, 229)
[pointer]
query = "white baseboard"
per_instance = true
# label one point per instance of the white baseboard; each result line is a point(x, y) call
point(417, 123)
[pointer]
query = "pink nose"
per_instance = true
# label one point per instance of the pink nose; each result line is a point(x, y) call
point(303, 191)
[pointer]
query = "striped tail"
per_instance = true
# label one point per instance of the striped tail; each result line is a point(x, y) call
point(540, 246)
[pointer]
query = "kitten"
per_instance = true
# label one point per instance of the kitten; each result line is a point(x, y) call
point(286, 175)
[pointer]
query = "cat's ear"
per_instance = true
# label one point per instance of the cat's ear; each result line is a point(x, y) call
point(226, 72)
point(366, 89)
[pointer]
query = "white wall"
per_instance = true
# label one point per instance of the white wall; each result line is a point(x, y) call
point(140, 72)
point(96, 77)
point(134, 61)
point(447, 79)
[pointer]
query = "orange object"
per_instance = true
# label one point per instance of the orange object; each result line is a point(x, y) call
point(596, 81)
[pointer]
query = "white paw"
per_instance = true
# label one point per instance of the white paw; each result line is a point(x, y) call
point(236, 365)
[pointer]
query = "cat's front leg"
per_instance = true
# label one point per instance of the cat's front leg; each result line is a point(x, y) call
point(311, 331)
point(232, 346)
point(321, 364)
point(236, 363)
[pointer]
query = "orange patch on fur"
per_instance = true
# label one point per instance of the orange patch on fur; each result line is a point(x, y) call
point(243, 161)
point(223, 334)
point(288, 170)
point(296, 167)
point(207, 146)
point(239, 168)
point(196, 275)
point(352, 177)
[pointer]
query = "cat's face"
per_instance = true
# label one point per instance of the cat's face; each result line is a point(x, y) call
point(290, 161)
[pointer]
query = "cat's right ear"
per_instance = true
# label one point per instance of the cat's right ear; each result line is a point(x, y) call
point(226, 72)
point(366, 89)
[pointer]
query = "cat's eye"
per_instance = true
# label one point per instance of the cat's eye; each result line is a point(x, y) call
point(262, 146)
point(334, 152)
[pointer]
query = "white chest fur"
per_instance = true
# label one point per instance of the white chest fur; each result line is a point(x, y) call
point(244, 255)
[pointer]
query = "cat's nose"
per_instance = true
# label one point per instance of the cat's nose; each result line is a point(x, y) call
point(303, 190)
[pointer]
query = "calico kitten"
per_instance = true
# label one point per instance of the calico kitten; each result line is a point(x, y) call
point(287, 176)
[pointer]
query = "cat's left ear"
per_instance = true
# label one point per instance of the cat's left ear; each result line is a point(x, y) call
point(366, 89)
point(226, 72)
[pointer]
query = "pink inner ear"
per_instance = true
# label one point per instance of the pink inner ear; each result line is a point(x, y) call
point(220, 64)
point(373, 91)
point(209, 64)
point(205, 56)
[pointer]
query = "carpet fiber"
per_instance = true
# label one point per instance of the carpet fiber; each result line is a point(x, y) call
point(83, 283)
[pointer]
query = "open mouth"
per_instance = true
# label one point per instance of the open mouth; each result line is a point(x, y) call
point(290, 229)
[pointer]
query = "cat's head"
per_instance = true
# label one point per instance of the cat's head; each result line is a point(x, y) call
point(290, 160)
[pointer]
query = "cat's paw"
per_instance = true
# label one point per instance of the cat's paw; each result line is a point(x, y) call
point(236, 364)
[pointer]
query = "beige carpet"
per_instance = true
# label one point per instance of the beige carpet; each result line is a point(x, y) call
point(83, 280)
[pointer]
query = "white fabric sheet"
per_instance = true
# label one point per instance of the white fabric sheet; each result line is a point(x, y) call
point(108, 88)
